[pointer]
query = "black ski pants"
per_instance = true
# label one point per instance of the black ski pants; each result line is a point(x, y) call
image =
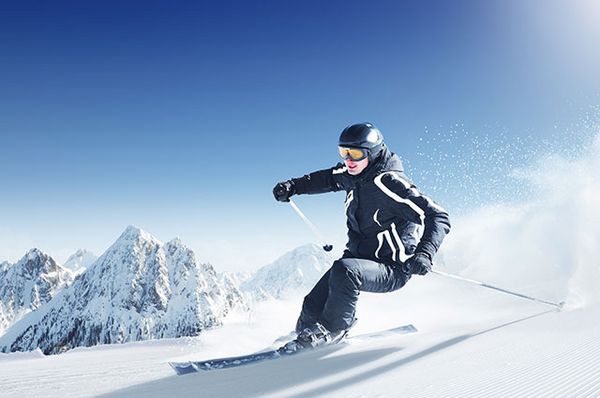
point(332, 301)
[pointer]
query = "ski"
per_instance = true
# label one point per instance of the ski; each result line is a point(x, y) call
point(182, 368)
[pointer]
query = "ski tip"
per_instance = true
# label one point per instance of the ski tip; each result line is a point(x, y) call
point(182, 368)
point(410, 328)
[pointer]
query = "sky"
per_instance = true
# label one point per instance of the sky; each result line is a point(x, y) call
point(180, 117)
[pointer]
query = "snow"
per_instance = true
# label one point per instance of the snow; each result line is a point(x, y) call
point(137, 290)
point(294, 273)
point(472, 341)
point(79, 261)
point(29, 284)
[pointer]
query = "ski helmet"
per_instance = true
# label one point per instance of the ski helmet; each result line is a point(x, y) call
point(365, 136)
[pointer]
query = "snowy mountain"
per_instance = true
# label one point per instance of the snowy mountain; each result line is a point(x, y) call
point(79, 261)
point(199, 300)
point(29, 284)
point(294, 273)
point(139, 289)
point(237, 278)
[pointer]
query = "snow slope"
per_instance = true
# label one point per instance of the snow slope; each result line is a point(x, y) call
point(471, 342)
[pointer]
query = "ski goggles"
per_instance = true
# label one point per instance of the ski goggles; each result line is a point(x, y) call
point(355, 154)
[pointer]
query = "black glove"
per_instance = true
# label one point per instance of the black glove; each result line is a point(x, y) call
point(283, 191)
point(419, 264)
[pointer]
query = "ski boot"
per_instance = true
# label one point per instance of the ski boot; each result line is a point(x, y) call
point(314, 336)
point(310, 337)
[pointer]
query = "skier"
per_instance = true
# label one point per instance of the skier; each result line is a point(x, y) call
point(393, 232)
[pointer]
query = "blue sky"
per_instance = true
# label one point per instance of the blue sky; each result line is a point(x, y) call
point(181, 118)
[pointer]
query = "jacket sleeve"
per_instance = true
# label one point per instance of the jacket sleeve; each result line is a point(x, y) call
point(328, 180)
point(417, 208)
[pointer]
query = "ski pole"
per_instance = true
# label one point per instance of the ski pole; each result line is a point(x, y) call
point(327, 247)
point(483, 284)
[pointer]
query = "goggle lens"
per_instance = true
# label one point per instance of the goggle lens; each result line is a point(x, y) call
point(353, 153)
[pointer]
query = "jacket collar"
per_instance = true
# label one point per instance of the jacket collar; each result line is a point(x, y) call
point(386, 161)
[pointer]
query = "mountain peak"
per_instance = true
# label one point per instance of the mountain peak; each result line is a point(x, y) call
point(296, 271)
point(176, 242)
point(133, 234)
point(132, 230)
point(80, 260)
point(34, 254)
point(29, 284)
point(35, 262)
point(80, 252)
point(308, 248)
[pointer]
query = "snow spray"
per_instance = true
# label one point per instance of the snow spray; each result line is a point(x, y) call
point(548, 244)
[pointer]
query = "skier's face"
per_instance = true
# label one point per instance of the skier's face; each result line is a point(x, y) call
point(356, 167)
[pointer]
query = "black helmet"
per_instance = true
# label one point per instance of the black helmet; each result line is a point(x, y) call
point(363, 135)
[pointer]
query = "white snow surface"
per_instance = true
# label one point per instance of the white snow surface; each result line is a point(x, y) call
point(471, 343)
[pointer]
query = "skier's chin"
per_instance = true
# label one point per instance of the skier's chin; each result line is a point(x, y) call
point(356, 167)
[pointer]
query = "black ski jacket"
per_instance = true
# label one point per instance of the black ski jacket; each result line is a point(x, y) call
point(388, 219)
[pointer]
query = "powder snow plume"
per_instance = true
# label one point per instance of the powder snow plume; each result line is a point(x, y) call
point(546, 245)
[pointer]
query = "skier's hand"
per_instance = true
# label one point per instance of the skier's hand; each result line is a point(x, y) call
point(419, 264)
point(283, 191)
